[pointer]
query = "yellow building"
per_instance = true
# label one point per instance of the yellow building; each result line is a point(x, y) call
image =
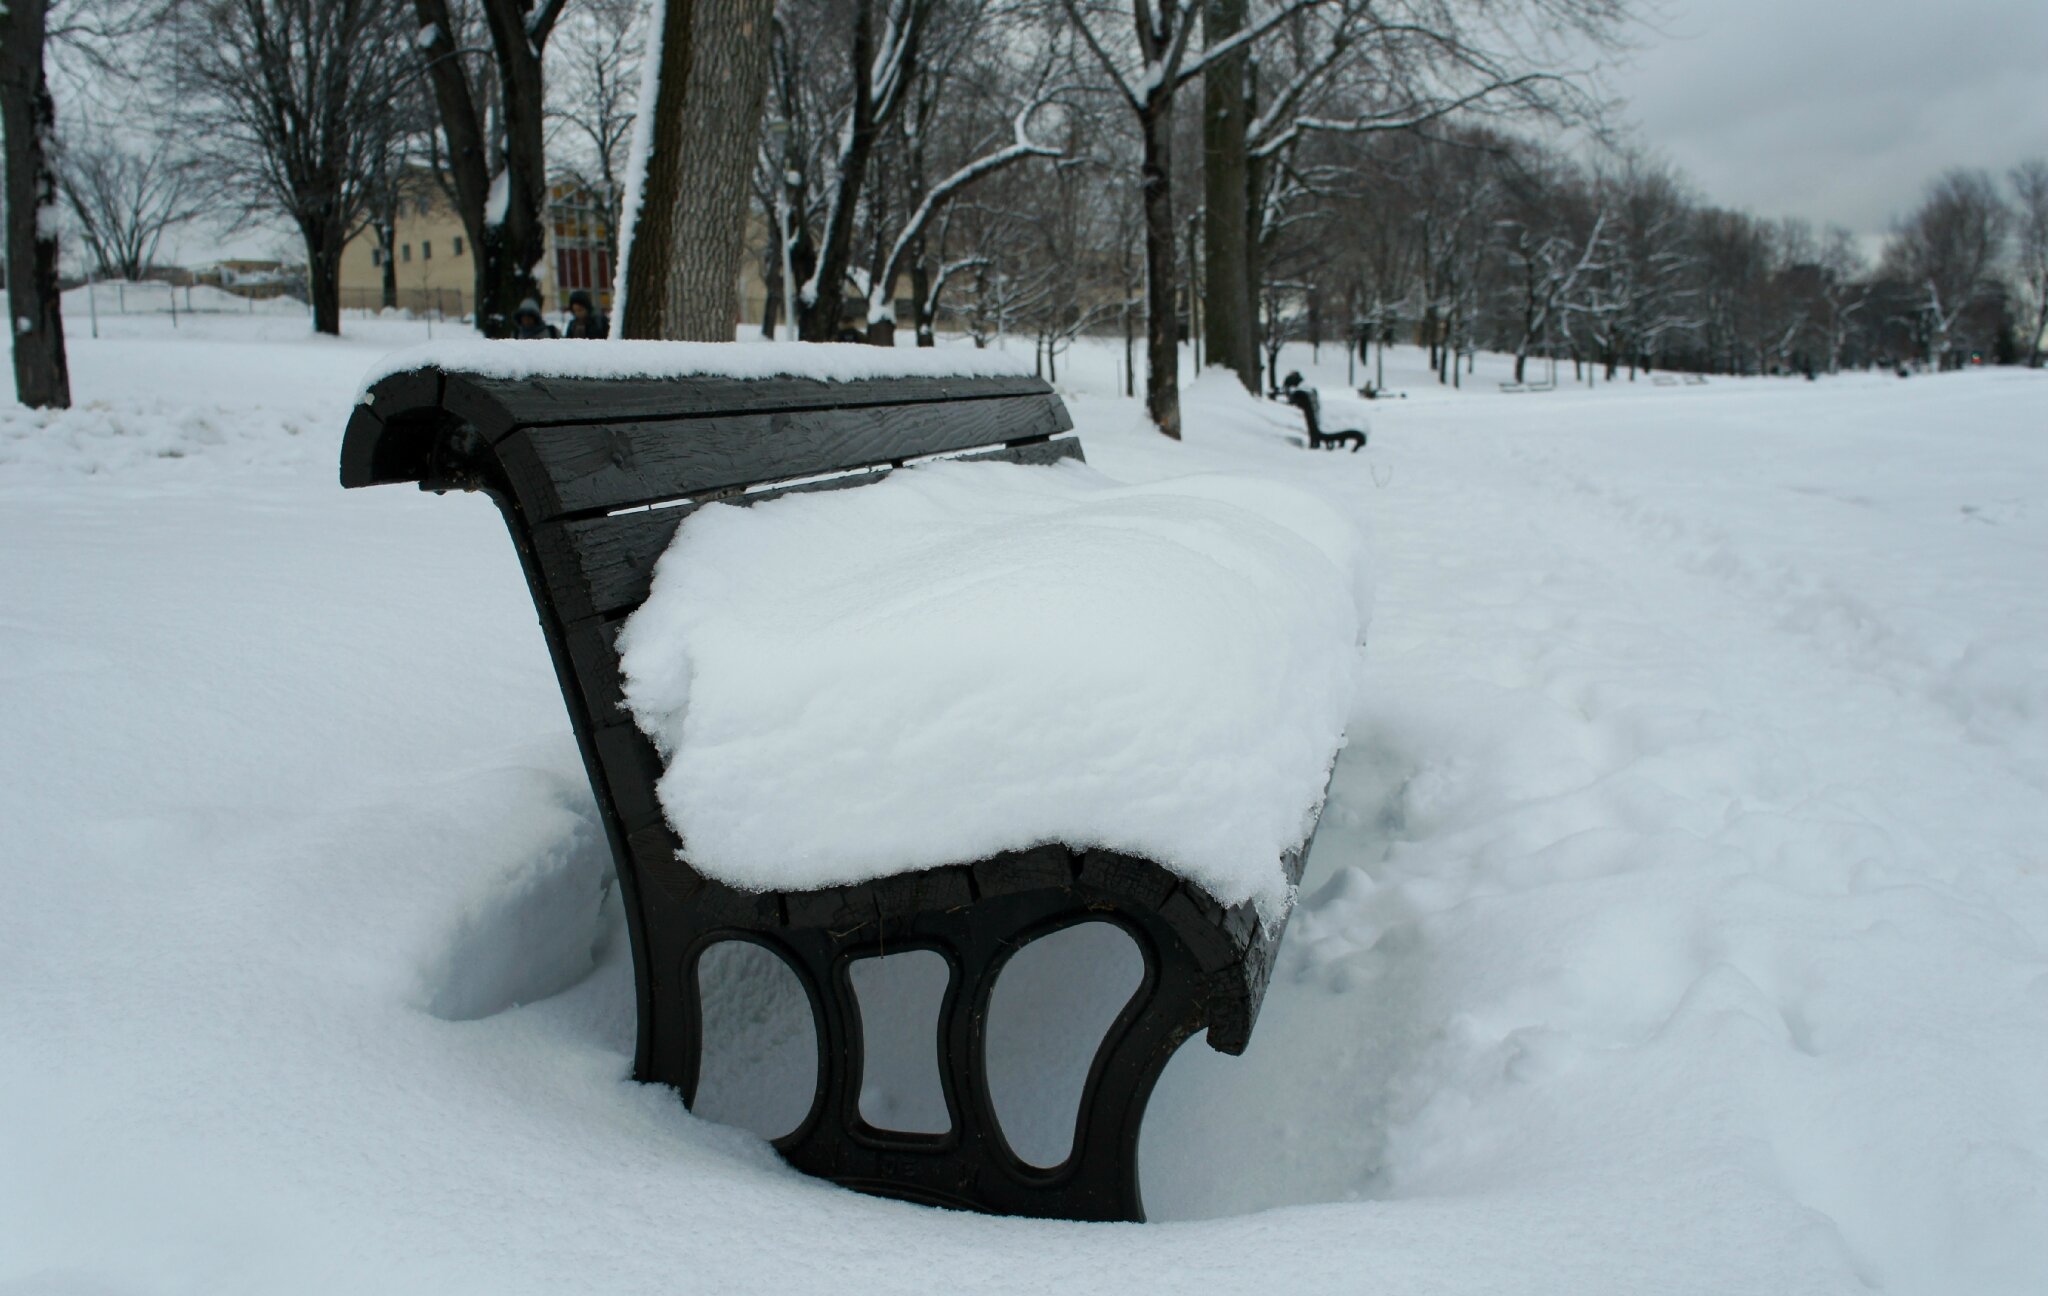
point(436, 271)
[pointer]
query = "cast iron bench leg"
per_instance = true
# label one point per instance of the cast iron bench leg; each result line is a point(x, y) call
point(971, 1166)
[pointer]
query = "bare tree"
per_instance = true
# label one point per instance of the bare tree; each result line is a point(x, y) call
point(126, 200)
point(1947, 249)
point(1366, 66)
point(2030, 192)
point(593, 83)
point(493, 123)
point(28, 115)
point(681, 263)
point(1843, 293)
point(883, 115)
point(971, 110)
point(1651, 266)
point(862, 92)
point(1146, 67)
point(402, 176)
point(297, 103)
point(1554, 238)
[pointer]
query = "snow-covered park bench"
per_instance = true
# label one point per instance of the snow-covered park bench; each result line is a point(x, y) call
point(594, 469)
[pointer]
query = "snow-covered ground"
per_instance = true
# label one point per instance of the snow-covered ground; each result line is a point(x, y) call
point(1679, 922)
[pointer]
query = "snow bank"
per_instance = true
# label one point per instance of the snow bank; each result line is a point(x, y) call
point(1677, 924)
point(125, 436)
point(115, 298)
point(828, 361)
point(971, 658)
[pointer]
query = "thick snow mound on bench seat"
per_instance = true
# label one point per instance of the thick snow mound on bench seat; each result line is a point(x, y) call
point(825, 361)
point(970, 658)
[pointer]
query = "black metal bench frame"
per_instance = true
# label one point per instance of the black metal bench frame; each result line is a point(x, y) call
point(592, 477)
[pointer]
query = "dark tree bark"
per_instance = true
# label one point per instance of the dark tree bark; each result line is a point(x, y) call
point(503, 212)
point(42, 377)
point(689, 236)
point(920, 296)
point(387, 245)
point(823, 299)
point(1227, 193)
point(1258, 238)
point(325, 241)
point(1162, 331)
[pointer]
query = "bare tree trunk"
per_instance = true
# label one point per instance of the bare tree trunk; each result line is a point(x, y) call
point(1130, 355)
point(689, 236)
point(1256, 238)
point(504, 213)
point(388, 239)
point(1226, 182)
point(920, 297)
point(1162, 341)
point(42, 377)
point(827, 288)
point(324, 243)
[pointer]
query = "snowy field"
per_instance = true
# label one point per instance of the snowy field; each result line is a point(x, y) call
point(1679, 923)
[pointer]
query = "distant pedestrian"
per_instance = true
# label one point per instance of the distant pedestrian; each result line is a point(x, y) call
point(527, 323)
point(585, 319)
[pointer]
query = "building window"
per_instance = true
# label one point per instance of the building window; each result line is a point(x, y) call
point(405, 252)
point(376, 256)
point(426, 249)
point(458, 245)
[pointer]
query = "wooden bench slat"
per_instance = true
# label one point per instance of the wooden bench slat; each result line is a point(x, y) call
point(373, 450)
point(601, 565)
point(495, 406)
point(576, 469)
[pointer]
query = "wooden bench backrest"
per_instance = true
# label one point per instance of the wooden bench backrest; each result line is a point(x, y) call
point(595, 475)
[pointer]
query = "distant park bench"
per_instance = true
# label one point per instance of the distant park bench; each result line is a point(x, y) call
point(573, 465)
point(1513, 388)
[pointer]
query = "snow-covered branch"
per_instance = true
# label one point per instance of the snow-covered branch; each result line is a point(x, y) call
point(1021, 146)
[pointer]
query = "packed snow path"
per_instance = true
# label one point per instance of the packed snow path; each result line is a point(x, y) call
point(1679, 922)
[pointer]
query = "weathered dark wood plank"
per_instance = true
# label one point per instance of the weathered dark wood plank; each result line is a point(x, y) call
point(359, 443)
point(590, 467)
point(602, 565)
point(388, 439)
point(497, 405)
point(404, 393)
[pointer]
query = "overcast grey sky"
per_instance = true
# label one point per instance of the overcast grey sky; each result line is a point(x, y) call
point(1839, 110)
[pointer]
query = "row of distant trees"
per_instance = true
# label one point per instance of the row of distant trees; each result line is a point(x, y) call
point(1471, 239)
point(1228, 174)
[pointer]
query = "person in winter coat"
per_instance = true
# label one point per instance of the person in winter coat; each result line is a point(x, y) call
point(527, 323)
point(585, 319)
